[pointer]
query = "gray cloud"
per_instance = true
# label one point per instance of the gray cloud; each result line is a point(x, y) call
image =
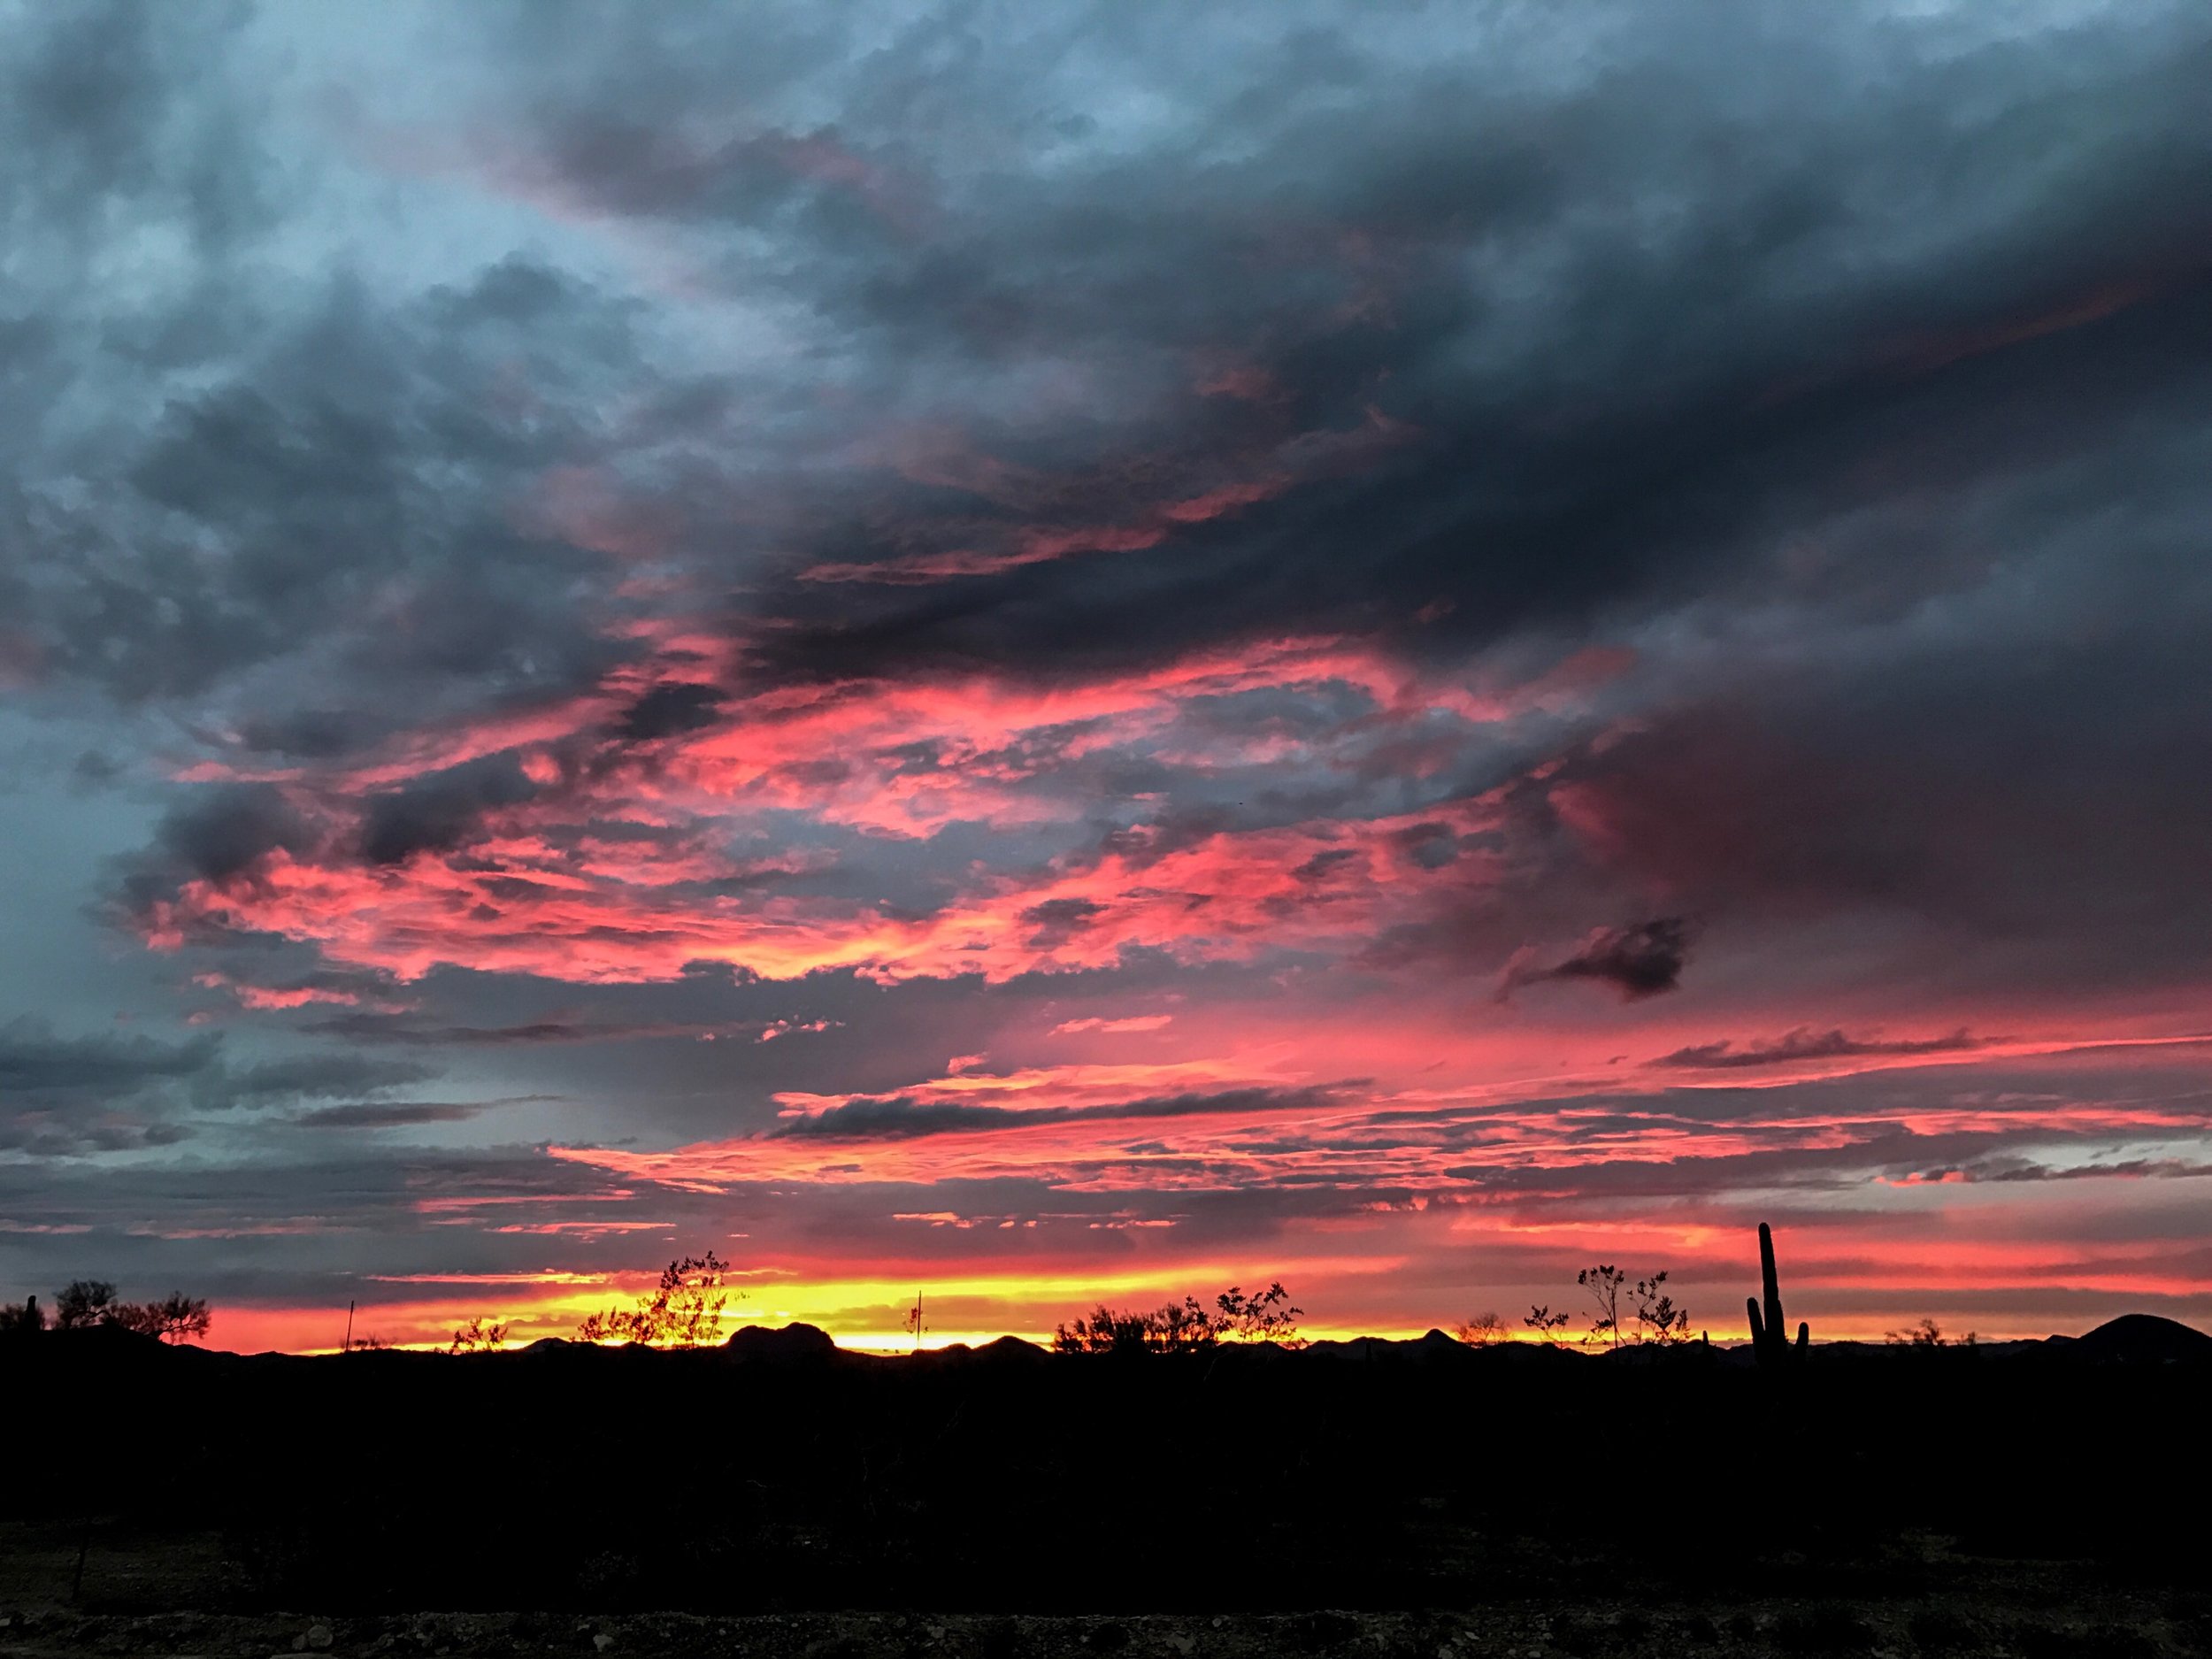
point(34, 1061)
point(1803, 1043)
point(898, 1118)
point(75, 1096)
point(306, 1077)
point(388, 1114)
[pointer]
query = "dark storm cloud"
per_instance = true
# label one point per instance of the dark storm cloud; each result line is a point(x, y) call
point(436, 813)
point(215, 834)
point(1641, 961)
point(1639, 420)
point(1059, 920)
point(309, 734)
point(2038, 786)
point(326, 462)
point(1633, 428)
point(667, 710)
point(333, 493)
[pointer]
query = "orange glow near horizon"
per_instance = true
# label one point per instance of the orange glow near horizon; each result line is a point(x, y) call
point(1032, 1311)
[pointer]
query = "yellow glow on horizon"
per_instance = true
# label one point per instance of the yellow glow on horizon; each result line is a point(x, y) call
point(868, 1313)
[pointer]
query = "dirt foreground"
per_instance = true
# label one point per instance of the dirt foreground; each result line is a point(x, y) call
point(2109, 1627)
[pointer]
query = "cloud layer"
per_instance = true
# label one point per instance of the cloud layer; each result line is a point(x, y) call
point(1075, 646)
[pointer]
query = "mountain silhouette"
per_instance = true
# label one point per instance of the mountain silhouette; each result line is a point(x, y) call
point(2144, 1339)
point(786, 1344)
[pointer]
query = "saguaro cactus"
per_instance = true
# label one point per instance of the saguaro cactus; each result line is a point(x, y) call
point(1768, 1338)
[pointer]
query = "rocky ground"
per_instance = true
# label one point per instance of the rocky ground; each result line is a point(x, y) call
point(2107, 1626)
point(1975, 1609)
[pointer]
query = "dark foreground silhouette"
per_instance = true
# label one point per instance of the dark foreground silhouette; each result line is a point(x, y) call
point(779, 1473)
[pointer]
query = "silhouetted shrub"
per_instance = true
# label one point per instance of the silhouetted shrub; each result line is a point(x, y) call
point(1185, 1327)
point(479, 1336)
point(1605, 1284)
point(1657, 1318)
point(1176, 1328)
point(1265, 1315)
point(1544, 1323)
point(683, 1311)
point(1928, 1333)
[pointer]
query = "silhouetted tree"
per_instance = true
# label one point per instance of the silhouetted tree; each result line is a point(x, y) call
point(1481, 1331)
point(84, 1303)
point(684, 1310)
point(1604, 1285)
point(479, 1336)
point(176, 1318)
point(1544, 1323)
point(1657, 1318)
point(914, 1325)
point(1263, 1317)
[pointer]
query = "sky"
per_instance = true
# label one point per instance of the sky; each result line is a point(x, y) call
point(1036, 653)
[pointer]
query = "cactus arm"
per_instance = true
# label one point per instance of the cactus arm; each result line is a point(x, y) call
point(1758, 1327)
point(1804, 1336)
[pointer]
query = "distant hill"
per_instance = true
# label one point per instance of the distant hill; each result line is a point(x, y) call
point(783, 1343)
point(2143, 1338)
